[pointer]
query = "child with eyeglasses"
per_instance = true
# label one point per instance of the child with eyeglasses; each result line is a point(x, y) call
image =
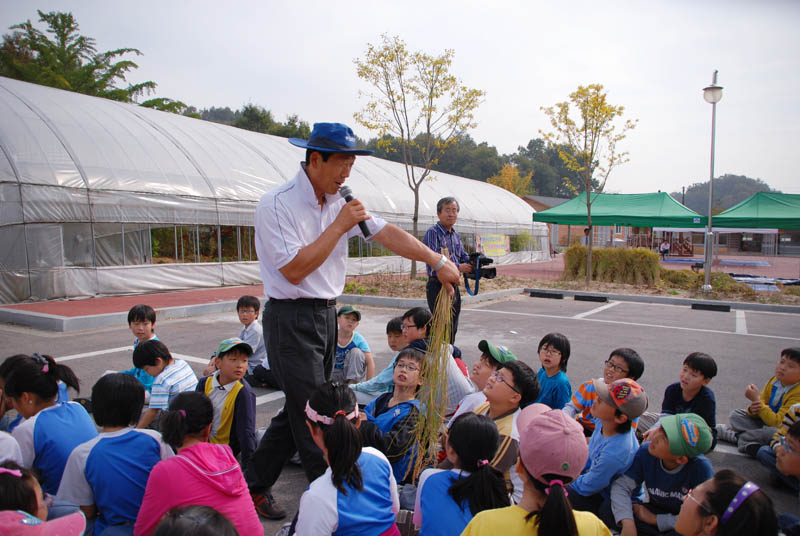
point(554, 387)
point(621, 363)
point(391, 420)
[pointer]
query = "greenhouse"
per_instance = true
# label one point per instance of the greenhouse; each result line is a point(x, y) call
point(99, 197)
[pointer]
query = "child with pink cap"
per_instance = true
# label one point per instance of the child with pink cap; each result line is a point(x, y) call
point(553, 452)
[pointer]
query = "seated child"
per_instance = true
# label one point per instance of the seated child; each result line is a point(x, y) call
point(381, 383)
point(670, 465)
point(51, 430)
point(353, 356)
point(201, 473)
point(768, 454)
point(392, 417)
point(689, 395)
point(447, 499)
point(788, 465)
point(233, 399)
point(753, 427)
point(258, 372)
point(142, 321)
point(727, 505)
point(195, 520)
point(491, 359)
point(416, 323)
point(552, 452)
point(357, 494)
point(613, 443)
point(107, 475)
point(9, 417)
point(554, 387)
point(509, 389)
point(19, 490)
point(622, 363)
point(172, 377)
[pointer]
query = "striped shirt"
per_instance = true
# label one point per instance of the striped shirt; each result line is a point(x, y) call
point(436, 238)
point(176, 378)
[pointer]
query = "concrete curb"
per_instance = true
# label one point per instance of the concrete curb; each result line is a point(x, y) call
point(747, 306)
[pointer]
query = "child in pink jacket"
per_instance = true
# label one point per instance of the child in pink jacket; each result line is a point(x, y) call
point(201, 473)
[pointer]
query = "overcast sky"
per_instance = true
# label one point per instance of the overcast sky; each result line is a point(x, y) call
point(653, 57)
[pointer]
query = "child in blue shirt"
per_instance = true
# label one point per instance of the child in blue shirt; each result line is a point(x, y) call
point(107, 475)
point(555, 390)
point(670, 465)
point(142, 321)
point(612, 445)
point(353, 361)
point(392, 417)
point(172, 377)
point(367, 390)
point(51, 430)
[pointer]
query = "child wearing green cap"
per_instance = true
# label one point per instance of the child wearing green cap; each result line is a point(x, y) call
point(670, 465)
point(233, 399)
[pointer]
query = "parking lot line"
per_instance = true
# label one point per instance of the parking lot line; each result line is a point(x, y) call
point(741, 322)
point(90, 354)
point(596, 310)
point(637, 324)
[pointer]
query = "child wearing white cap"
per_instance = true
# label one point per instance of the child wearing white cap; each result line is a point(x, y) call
point(552, 453)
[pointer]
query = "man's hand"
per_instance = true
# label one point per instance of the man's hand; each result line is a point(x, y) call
point(449, 276)
point(629, 526)
point(351, 213)
point(643, 514)
point(465, 268)
point(751, 393)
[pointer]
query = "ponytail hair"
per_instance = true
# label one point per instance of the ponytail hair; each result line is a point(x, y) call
point(555, 516)
point(330, 409)
point(474, 438)
point(37, 374)
point(189, 414)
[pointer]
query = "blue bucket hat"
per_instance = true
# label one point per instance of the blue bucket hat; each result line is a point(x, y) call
point(331, 138)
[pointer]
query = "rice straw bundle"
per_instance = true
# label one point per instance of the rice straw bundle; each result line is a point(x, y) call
point(433, 393)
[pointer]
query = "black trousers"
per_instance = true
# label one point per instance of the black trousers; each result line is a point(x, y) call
point(432, 289)
point(301, 344)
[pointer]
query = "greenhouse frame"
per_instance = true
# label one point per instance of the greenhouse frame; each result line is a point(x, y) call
point(99, 197)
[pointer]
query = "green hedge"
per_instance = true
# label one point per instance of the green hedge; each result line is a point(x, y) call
point(620, 265)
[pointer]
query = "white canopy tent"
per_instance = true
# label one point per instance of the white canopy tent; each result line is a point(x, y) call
point(99, 197)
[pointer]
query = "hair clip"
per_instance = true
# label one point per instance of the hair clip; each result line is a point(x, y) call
point(744, 492)
point(41, 360)
point(12, 472)
point(182, 412)
point(552, 483)
point(481, 463)
point(313, 416)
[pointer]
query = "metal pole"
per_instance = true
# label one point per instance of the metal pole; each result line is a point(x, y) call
point(709, 246)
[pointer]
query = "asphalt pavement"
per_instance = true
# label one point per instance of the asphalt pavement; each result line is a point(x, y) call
point(745, 344)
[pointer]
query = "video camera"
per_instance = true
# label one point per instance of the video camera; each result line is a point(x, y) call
point(478, 261)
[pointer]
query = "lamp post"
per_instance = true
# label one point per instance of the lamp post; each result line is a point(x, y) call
point(711, 94)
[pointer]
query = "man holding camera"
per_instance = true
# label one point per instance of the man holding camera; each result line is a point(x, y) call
point(442, 238)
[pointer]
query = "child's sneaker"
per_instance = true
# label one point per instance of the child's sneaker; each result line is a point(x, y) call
point(727, 434)
point(267, 506)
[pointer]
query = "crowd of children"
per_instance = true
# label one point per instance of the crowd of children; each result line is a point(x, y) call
point(521, 453)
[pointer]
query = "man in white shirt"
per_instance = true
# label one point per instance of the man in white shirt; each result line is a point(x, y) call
point(302, 228)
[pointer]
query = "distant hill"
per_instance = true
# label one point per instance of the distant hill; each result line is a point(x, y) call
point(728, 190)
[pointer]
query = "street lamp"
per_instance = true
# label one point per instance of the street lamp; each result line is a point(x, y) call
point(712, 94)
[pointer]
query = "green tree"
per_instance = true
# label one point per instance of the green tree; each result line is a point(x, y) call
point(68, 60)
point(255, 118)
point(548, 169)
point(587, 141)
point(416, 99)
point(728, 190)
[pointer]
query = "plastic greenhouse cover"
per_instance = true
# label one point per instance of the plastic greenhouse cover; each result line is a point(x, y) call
point(142, 165)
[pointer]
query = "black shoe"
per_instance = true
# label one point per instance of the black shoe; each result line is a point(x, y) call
point(267, 507)
point(751, 449)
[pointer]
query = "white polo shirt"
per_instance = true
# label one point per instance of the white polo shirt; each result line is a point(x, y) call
point(288, 219)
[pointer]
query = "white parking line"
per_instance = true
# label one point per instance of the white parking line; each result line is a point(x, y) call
point(263, 399)
point(658, 326)
point(596, 310)
point(741, 322)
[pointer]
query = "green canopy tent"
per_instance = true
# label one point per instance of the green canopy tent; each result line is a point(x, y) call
point(631, 210)
point(763, 210)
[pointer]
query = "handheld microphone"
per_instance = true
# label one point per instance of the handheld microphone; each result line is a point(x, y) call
point(347, 193)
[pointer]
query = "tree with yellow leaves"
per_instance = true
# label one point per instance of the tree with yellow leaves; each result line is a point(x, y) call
point(415, 99)
point(587, 143)
point(510, 179)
